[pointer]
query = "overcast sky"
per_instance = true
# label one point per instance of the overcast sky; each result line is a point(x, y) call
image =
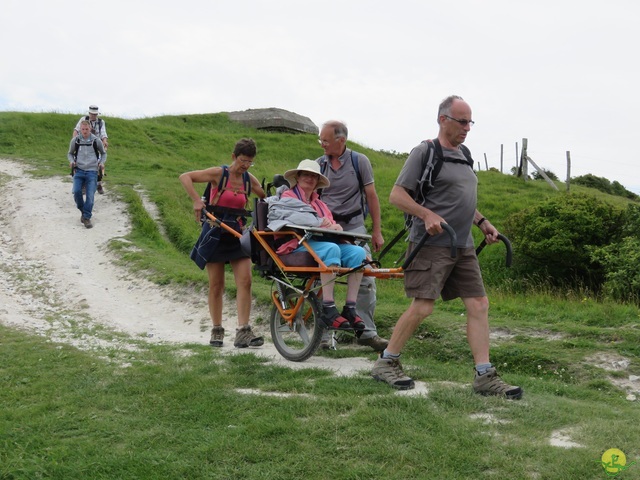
point(564, 74)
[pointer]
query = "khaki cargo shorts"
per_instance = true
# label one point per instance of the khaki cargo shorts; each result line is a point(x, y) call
point(433, 273)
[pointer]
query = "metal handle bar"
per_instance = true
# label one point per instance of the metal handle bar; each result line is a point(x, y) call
point(414, 252)
point(507, 244)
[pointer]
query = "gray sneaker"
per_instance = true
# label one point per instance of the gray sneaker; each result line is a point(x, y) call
point(217, 337)
point(245, 338)
point(491, 384)
point(86, 222)
point(375, 342)
point(389, 370)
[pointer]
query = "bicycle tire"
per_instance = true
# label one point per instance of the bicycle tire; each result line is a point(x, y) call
point(298, 341)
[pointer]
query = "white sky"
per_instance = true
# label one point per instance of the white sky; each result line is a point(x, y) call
point(562, 73)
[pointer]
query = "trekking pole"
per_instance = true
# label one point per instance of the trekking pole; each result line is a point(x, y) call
point(219, 223)
point(507, 244)
point(420, 244)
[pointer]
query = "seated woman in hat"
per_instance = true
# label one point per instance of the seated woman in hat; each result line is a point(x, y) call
point(304, 182)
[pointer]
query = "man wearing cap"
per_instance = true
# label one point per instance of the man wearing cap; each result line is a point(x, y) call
point(99, 129)
point(349, 192)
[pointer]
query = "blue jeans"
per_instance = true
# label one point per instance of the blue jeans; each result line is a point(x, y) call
point(89, 180)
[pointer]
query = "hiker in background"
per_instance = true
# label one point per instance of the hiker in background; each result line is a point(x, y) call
point(304, 182)
point(351, 193)
point(85, 158)
point(99, 129)
point(230, 189)
point(452, 198)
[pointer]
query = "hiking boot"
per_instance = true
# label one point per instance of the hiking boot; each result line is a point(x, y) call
point(491, 384)
point(245, 338)
point(333, 320)
point(100, 189)
point(375, 342)
point(354, 320)
point(389, 370)
point(86, 222)
point(217, 337)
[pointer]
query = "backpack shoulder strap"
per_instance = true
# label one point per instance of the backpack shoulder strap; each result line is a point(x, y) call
point(363, 198)
point(467, 154)
point(222, 185)
point(95, 148)
point(76, 147)
point(356, 167)
point(246, 179)
point(323, 165)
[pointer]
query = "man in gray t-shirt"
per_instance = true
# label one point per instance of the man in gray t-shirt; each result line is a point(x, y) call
point(433, 273)
point(346, 199)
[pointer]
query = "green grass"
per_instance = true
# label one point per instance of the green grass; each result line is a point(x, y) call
point(188, 412)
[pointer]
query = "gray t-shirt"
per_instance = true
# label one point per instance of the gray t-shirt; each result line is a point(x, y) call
point(343, 196)
point(453, 197)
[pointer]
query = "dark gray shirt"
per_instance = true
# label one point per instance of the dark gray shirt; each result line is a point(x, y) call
point(453, 197)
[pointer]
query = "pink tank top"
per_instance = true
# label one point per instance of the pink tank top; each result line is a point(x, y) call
point(231, 197)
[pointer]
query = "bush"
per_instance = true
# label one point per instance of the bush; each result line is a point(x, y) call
point(621, 261)
point(554, 238)
point(604, 185)
point(537, 176)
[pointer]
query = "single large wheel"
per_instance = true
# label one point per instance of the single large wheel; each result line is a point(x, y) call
point(298, 340)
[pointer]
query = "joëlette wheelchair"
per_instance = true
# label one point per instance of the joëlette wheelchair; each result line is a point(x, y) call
point(295, 324)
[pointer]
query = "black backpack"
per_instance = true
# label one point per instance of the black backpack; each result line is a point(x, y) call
point(431, 165)
point(77, 147)
point(222, 186)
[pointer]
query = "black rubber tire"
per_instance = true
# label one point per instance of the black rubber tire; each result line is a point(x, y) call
point(301, 340)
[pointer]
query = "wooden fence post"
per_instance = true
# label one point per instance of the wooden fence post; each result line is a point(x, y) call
point(568, 169)
point(523, 160)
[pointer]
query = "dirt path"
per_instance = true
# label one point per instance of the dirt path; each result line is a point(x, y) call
point(58, 280)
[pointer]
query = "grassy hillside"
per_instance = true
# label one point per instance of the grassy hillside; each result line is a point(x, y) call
point(69, 416)
point(148, 155)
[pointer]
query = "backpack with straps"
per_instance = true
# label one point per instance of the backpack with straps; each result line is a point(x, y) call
point(77, 147)
point(431, 165)
point(222, 186)
point(99, 121)
point(364, 208)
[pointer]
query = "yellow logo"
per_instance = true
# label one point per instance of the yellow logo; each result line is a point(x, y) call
point(614, 461)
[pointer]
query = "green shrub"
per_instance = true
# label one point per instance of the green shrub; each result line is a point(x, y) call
point(554, 238)
point(604, 185)
point(621, 260)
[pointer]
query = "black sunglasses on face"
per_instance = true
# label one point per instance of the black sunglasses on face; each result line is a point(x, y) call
point(464, 123)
